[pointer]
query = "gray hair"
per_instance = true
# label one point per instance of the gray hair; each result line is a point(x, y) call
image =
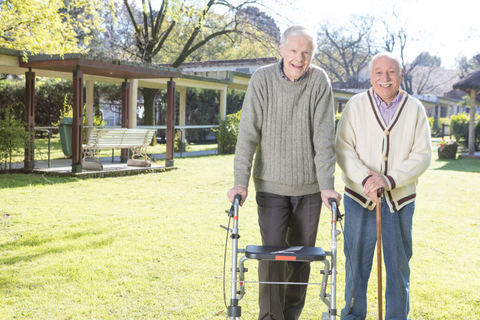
point(299, 30)
point(388, 55)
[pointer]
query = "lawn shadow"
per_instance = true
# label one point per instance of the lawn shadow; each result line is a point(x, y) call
point(20, 180)
point(461, 164)
point(38, 242)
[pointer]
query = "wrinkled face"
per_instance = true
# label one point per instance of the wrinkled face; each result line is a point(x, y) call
point(386, 78)
point(297, 55)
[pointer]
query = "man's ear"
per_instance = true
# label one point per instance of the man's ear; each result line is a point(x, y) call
point(281, 50)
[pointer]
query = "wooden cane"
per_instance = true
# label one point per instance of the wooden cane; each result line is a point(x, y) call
point(379, 251)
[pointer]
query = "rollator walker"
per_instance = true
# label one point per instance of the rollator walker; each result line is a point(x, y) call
point(300, 254)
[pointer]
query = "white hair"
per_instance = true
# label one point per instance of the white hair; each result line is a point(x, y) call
point(299, 30)
point(388, 55)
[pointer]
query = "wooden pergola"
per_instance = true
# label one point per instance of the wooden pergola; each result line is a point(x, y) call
point(91, 69)
point(471, 85)
point(121, 73)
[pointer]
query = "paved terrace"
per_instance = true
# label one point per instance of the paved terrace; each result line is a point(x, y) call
point(63, 167)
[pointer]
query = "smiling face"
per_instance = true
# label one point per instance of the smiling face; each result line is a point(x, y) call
point(297, 55)
point(386, 78)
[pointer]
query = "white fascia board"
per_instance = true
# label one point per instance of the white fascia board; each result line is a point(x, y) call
point(9, 61)
point(200, 84)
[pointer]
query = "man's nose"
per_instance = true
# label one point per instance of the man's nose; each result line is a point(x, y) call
point(299, 56)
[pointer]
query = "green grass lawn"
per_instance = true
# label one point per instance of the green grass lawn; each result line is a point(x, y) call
point(150, 246)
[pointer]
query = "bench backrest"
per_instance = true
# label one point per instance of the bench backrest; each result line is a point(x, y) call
point(119, 138)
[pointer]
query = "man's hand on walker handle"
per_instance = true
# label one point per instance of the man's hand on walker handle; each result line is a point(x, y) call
point(238, 189)
point(373, 184)
point(330, 193)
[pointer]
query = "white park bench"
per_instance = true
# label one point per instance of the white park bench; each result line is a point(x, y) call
point(136, 140)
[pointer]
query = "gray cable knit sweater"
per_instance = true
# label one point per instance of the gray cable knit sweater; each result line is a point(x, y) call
point(289, 126)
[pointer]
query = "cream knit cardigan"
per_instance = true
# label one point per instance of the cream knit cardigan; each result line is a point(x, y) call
point(290, 128)
point(401, 151)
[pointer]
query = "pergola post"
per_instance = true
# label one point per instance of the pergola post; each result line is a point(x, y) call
point(77, 127)
point(471, 129)
point(182, 112)
point(125, 115)
point(170, 136)
point(30, 119)
point(89, 86)
point(223, 103)
point(133, 103)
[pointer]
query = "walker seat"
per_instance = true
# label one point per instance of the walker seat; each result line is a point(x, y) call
point(285, 253)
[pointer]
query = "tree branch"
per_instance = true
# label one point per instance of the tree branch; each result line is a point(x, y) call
point(185, 54)
point(145, 23)
point(159, 21)
point(164, 38)
point(130, 13)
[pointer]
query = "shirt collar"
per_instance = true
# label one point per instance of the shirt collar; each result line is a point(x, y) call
point(382, 103)
point(285, 77)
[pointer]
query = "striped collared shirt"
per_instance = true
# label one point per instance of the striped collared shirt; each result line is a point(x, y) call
point(280, 65)
point(387, 111)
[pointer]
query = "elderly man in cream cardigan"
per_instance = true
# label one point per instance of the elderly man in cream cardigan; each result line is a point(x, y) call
point(383, 141)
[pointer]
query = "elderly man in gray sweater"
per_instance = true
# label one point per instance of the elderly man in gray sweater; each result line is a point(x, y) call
point(288, 123)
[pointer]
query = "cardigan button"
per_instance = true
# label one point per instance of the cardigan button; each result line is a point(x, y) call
point(387, 132)
point(384, 158)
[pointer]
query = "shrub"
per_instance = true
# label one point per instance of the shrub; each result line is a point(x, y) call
point(460, 128)
point(337, 118)
point(227, 133)
point(50, 96)
point(436, 125)
point(178, 143)
point(13, 136)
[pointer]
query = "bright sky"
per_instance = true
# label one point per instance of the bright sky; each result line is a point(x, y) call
point(446, 28)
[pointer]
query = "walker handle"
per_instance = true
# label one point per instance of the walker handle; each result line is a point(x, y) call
point(237, 197)
point(236, 200)
point(336, 213)
point(331, 201)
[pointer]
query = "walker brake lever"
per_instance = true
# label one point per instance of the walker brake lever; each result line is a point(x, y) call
point(229, 230)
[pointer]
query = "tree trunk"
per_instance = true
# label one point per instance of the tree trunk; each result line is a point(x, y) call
point(149, 105)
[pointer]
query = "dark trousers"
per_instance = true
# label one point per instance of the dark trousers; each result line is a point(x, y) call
point(285, 221)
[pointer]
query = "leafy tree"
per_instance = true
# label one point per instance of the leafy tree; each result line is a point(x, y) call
point(154, 32)
point(115, 41)
point(466, 65)
point(344, 51)
point(54, 26)
point(50, 95)
point(234, 100)
point(231, 46)
point(426, 76)
point(427, 60)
